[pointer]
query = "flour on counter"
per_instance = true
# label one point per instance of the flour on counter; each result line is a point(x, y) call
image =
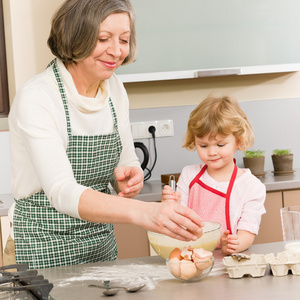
point(129, 275)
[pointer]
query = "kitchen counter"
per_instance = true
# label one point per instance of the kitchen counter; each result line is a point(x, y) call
point(152, 189)
point(6, 201)
point(71, 282)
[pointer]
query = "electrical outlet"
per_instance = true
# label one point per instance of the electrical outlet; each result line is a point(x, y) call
point(164, 128)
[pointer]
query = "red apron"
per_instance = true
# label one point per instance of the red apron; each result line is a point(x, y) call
point(211, 204)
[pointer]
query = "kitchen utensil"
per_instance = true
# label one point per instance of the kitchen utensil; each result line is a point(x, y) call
point(290, 221)
point(163, 245)
point(112, 290)
point(172, 183)
point(166, 177)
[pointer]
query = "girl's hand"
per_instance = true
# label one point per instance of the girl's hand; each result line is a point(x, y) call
point(130, 181)
point(169, 195)
point(231, 243)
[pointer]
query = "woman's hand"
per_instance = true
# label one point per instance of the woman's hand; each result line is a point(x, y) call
point(169, 195)
point(129, 182)
point(233, 243)
point(172, 219)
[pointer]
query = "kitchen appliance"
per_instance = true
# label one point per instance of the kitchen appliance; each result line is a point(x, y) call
point(19, 283)
point(290, 221)
point(145, 153)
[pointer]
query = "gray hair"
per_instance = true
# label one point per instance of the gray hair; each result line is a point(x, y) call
point(75, 28)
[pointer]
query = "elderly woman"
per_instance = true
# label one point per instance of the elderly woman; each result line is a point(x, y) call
point(70, 137)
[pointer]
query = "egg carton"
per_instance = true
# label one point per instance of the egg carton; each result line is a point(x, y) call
point(255, 265)
point(283, 262)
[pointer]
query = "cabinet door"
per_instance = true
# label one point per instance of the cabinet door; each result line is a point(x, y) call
point(270, 226)
point(132, 241)
point(291, 198)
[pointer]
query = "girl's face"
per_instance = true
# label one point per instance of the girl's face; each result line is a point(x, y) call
point(217, 153)
point(111, 49)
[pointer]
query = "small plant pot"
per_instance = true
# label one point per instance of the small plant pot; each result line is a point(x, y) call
point(283, 164)
point(256, 165)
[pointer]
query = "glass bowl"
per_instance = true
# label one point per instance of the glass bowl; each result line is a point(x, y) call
point(190, 271)
point(164, 245)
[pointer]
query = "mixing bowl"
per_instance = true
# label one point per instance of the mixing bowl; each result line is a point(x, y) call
point(163, 245)
point(190, 271)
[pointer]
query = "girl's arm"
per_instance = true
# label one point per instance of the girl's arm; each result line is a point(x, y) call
point(231, 243)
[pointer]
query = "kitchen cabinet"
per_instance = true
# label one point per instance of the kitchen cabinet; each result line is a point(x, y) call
point(291, 198)
point(132, 241)
point(270, 226)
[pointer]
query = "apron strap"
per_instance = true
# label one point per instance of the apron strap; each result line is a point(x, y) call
point(196, 179)
point(227, 203)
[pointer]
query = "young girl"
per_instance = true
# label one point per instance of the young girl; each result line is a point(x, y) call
point(217, 189)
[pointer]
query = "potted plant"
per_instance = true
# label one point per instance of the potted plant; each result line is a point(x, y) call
point(255, 161)
point(282, 161)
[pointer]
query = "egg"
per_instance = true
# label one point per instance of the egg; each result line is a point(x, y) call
point(175, 253)
point(202, 258)
point(174, 266)
point(188, 269)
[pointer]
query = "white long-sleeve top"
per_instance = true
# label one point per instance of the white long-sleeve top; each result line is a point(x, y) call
point(38, 135)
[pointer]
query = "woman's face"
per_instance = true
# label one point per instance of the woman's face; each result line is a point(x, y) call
point(111, 49)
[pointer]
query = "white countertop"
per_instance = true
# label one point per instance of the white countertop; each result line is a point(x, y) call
point(71, 282)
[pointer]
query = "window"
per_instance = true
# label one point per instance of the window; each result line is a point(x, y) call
point(4, 100)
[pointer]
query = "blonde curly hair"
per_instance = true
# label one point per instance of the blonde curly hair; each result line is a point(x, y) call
point(219, 115)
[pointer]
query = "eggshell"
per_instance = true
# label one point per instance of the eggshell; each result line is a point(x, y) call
point(175, 267)
point(175, 253)
point(188, 269)
point(187, 253)
point(202, 264)
point(201, 253)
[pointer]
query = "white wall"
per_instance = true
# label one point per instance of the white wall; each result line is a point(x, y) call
point(4, 163)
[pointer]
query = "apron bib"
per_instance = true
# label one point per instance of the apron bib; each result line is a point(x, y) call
point(45, 237)
point(209, 203)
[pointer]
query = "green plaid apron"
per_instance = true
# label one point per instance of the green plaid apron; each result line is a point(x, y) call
point(45, 237)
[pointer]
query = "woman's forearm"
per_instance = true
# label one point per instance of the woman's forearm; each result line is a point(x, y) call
point(168, 218)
